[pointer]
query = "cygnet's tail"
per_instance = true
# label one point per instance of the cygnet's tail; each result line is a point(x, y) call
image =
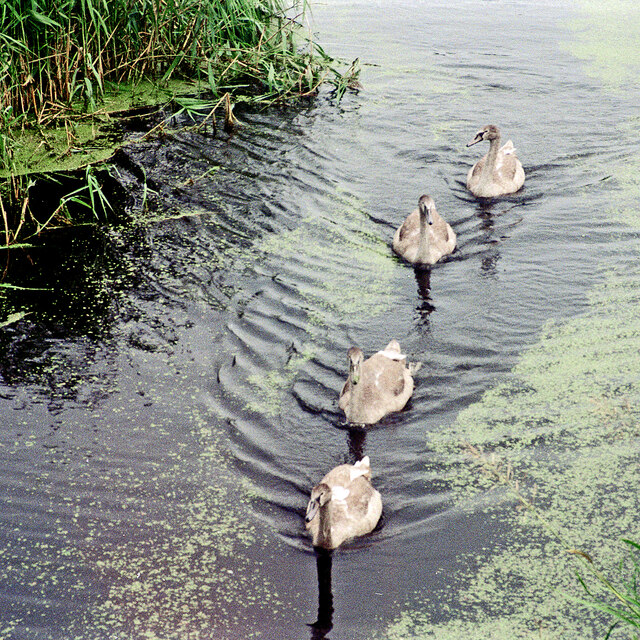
point(414, 367)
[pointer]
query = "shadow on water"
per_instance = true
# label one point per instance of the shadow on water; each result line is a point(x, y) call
point(324, 621)
point(69, 289)
point(423, 279)
point(356, 440)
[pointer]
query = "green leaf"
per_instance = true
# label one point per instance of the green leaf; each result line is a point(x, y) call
point(45, 20)
point(14, 317)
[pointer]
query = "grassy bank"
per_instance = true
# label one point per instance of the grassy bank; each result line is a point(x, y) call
point(61, 63)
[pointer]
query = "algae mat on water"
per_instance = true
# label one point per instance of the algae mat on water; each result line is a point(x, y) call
point(187, 571)
point(87, 139)
point(607, 40)
point(159, 550)
point(566, 425)
point(342, 235)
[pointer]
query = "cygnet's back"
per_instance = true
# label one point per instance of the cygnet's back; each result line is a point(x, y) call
point(343, 505)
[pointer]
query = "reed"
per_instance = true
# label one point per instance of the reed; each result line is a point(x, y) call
point(60, 54)
point(619, 597)
point(60, 58)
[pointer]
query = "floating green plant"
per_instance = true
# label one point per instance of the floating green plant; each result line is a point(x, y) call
point(341, 235)
point(12, 318)
point(271, 386)
point(186, 570)
point(606, 41)
point(562, 434)
point(566, 425)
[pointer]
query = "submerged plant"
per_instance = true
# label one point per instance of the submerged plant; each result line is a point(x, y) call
point(69, 204)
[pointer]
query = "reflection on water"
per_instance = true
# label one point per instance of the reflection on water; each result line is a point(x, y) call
point(423, 280)
point(170, 399)
point(324, 622)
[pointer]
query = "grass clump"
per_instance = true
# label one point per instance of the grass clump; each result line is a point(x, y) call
point(64, 53)
point(625, 610)
point(64, 65)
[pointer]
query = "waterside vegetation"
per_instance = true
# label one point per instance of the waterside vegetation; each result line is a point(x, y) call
point(617, 595)
point(61, 63)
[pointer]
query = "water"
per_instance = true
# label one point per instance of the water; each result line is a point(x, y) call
point(172, 398)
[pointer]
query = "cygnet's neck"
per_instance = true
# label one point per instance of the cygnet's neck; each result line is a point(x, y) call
point(357, 402)
point(423, 241)
point(324, 530)
point(486, 177)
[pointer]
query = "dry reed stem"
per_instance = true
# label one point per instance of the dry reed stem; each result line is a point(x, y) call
point(492, 466)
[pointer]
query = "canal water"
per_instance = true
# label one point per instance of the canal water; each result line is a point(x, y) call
point(171, 396)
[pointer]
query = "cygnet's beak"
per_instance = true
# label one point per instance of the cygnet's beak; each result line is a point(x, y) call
point(477, 139)
point(312, 510)
point(425, 210)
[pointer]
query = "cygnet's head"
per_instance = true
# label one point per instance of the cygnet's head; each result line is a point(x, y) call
point(488, 132)
point(426, 206)
point(356, 358)
point(320, 495)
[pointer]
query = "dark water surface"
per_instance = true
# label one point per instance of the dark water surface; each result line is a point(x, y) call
point(171, 398)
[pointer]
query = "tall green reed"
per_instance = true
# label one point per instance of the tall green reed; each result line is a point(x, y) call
point(59, 57)
point(60, 53)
